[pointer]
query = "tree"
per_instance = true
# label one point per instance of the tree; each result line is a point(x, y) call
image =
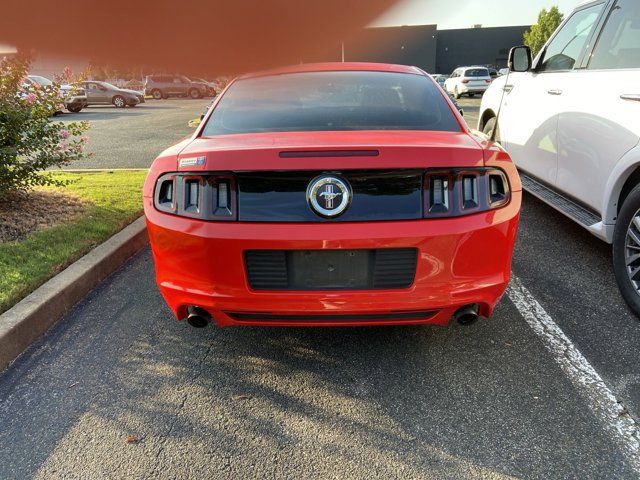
point(96, 72)
point(548, 22)
point(30, 142)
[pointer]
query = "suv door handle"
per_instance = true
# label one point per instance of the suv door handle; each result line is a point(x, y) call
point(632, 97)
point(555, 92)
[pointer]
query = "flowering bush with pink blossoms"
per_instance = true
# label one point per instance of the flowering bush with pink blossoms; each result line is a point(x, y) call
point(30, 141)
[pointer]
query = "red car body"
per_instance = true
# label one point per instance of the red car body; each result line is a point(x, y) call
point(461, 260)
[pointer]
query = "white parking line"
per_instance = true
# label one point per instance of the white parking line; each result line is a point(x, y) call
point(607, 408)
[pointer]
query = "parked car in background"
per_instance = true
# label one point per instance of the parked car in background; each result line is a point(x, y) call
point(440, 79)
point(468, 81)
point(73, 97)
point(165, 86)
point(571, 121)
point(211, 87)
point(503, 71)
point(493, 73)
point(104, 93)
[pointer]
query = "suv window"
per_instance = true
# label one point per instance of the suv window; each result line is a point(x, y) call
point(476, 72)
point(619, 42)
point(331, 101)
point(567, 46)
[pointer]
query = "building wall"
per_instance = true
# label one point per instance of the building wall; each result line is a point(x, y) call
point(476, 46)
point(433, 50)
point(408, 45)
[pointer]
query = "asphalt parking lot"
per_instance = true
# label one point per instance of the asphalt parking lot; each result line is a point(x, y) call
point(133, 137)
point(547, 388)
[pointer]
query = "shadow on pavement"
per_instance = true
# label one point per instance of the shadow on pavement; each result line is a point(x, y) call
point(406, 402)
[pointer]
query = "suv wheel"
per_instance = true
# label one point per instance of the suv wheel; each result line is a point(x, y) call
point(489, 126)
point(119, 101)
point(195, 93)
point(156, 93)
point(626, 250)
point(74, 108)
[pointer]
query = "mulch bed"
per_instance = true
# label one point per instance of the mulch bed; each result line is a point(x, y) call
point(22, 213)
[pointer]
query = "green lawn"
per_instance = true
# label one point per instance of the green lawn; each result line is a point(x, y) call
point(115, 200)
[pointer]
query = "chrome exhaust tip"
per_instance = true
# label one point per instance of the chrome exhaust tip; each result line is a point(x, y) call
point(198, 317)
point(466, 315)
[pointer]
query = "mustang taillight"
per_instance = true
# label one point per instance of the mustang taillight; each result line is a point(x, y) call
point(453, 193)
point(210, 196)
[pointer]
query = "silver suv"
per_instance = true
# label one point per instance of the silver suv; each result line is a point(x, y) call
point(165, 86)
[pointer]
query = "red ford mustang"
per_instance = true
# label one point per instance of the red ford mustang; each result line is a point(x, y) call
point(332, 194)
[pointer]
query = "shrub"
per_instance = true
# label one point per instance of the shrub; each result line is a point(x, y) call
point(30, 142)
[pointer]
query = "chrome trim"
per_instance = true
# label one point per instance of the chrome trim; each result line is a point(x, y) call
point(344, 192)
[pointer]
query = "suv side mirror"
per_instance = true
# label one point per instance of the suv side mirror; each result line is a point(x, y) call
point(520, 59)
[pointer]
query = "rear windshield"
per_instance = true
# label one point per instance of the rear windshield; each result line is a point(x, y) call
point(476, 72)
point(331, 101)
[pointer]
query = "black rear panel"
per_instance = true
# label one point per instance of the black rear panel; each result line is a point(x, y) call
point(368, 317)
point(331, 269)
point(377, 195)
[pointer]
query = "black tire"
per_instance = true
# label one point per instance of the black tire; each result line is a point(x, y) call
point(624, 246)
point(75, 108)
point(157, 94)
point(488, 128)
point(195, 93)
point(456, 94)
point(119, 101)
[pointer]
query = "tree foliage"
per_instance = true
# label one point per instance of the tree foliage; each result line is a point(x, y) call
point(548, 22)
point(30, 141)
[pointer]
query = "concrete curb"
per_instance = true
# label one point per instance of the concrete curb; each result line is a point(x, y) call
point(26, 321)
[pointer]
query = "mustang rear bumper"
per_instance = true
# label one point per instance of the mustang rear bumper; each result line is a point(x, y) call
point(461, 261)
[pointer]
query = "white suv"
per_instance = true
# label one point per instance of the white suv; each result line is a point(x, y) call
point(570, 120)
point(468, 81)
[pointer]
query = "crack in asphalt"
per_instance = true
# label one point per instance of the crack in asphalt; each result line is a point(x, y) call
point(165, 437)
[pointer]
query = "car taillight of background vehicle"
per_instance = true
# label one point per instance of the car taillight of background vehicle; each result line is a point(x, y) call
point(453, 193)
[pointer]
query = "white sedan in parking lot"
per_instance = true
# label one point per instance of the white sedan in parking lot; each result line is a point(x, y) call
point(571, 121)
point(468, 81)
